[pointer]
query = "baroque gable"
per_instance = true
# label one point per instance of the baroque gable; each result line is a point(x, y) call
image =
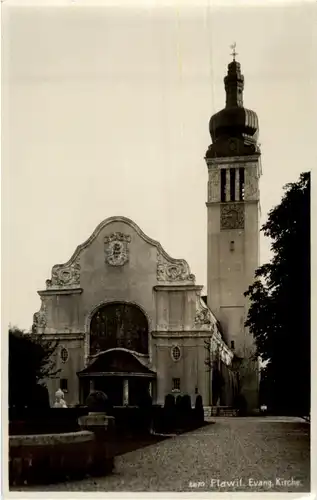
point(117, 249)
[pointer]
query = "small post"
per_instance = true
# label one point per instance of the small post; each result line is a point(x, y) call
point(125, 392)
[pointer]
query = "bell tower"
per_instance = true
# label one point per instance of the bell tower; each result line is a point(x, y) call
point(233, 205)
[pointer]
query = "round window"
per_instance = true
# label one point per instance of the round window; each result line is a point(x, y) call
point(64, 355)
point(176, 353)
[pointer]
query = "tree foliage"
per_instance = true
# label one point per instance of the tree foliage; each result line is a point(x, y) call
point(279, 313)
point(31, 360)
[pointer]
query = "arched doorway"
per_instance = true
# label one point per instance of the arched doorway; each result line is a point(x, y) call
point(118, 354)
point(118, 324)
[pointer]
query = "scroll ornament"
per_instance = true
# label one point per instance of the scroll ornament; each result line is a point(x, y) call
point(173, 271)
point(39, 319)
point(65, 276)
point(203, 316)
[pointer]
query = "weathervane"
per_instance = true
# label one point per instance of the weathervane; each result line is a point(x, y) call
point(234, 53)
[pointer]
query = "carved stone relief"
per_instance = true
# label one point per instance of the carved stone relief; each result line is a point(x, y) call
point(116, 249)
point(168, 271)
point(64, 276)
point(232, 216)
point(203, 315)
point(251, 187)
point(213, 185)
point(39, 319)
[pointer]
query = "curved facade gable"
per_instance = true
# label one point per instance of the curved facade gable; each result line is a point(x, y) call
point(169, 269)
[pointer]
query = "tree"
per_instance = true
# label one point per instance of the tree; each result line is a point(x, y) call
point(241, 372)
point(31, 360)
point(214, 364)
point(246, 371)
point(279, 313)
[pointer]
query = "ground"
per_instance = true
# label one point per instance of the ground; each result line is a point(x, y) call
point(231, 454)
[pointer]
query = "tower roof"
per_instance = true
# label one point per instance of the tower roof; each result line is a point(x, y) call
point(234, 121)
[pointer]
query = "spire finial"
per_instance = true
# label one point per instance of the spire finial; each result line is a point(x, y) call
point(234, 53)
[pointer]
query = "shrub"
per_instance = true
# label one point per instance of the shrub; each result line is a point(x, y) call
point(199, 410)
point(39, 397)
point(32, 356)
point(168, 418)
point(186, 403)
point(240, 404)
point(144, 415)
point(179, 403)
point(199, 402)
point(145, 401)
point(97, 401)
point(169, 403)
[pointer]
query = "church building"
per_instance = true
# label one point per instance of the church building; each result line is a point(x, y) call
point(129, 318)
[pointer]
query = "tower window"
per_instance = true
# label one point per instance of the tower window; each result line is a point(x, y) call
point(241, 184)
point(231, 246)
point(176, 384)
point(223, 184)
point(232, 183)
point(232, 344)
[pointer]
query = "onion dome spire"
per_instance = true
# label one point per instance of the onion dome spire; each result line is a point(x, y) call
point(234, 129)
point(234, 82)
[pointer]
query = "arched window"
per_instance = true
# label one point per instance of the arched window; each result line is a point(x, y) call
point(119, 325)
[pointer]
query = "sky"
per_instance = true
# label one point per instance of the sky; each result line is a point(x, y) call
point(105, 112)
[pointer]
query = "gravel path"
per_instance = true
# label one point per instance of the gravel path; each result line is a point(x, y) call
point(232, 454)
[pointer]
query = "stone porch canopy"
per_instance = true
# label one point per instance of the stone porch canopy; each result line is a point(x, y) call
point(118, 363)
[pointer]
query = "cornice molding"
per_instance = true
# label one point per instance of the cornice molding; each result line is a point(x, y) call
point(116, 374)
point(64, 336)
point(60, 291)
point(232, 159)
point(182, 334)
point(180, 287)
point(245, 202)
